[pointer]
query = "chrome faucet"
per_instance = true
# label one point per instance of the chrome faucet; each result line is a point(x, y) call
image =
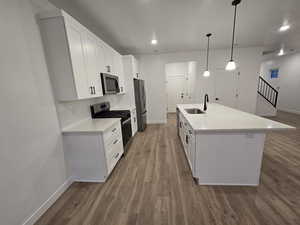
point(205, 101)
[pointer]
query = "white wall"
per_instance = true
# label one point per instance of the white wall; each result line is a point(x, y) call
point(178, 68)
point(32, 165)
point(288, 81)
point(152, 69)
point(264, 108)
point(74, 111)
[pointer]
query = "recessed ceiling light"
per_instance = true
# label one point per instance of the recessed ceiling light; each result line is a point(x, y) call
point(284, 27)
point(153, 41)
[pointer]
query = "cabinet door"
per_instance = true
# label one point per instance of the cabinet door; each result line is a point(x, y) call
point(192, 150)
point(119, 71)
point(75, 37)
point(135, 67)
point(93, 58)
point(100, 65)
point(91, 62)
point(108, 59)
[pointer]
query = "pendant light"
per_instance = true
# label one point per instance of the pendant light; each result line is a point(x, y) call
point(231, 64)
point(206, 72)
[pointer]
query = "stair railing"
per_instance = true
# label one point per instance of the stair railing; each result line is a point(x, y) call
point(267, 91)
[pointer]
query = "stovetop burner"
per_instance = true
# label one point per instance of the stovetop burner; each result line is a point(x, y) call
point(102, 110)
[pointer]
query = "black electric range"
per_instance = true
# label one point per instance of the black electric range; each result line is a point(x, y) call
point(102, 110)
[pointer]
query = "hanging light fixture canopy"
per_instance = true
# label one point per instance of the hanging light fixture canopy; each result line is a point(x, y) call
point(231, 64)
point(206, 72)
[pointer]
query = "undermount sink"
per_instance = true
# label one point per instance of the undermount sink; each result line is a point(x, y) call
point(194, 111)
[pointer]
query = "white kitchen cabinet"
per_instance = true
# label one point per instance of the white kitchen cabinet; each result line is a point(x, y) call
point(94, 57)
point(91, 156)
point(76, 35)
point(76, 58)
point(71, 57)
point(131, 66)
point(135, 65)
point(119, 71)
point(109, 65)
point(188, 140)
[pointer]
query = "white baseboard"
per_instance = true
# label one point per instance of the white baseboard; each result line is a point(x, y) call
point(227, 184)
point(290, 111)
point(266, 115)
point(48, 203)
point(88, 180)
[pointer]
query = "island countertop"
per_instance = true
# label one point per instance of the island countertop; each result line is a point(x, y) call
point(219, 118)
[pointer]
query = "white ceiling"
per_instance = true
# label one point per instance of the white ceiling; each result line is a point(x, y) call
point(181, 25)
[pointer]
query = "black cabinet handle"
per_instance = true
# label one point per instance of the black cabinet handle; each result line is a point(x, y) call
point(113, 130)
point(116, 156)
point(94, 90)
point(91, 87)
point(186, 139)
point(116, 141)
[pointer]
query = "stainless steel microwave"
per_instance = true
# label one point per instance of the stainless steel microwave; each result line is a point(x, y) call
point(110, 84)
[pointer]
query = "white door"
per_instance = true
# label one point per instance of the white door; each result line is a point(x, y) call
point(226, 88)
point(176, 91)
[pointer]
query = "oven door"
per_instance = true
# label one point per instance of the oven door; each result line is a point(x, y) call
point(126, 131)
point(110, 84)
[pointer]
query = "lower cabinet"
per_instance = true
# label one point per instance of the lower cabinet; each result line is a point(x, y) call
point(188, 140)
point(91, 157)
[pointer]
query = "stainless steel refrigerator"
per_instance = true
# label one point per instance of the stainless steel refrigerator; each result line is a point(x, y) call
point(140, 102)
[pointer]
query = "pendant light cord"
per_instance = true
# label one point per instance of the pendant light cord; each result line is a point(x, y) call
point(207, 54)
point(233, 33)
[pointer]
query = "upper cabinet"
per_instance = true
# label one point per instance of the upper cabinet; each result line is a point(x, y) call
point(94, 57)
point(135, 66)
point(76, 57)
point(109, 60)
point(119, 70)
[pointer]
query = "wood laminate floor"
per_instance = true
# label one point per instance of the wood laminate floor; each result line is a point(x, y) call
point(153, 185)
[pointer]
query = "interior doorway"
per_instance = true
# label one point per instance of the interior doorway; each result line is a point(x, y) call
point(185, 84)
point(179, 87)
point(176, 92)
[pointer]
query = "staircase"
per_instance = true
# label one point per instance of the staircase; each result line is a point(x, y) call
point(266, 98)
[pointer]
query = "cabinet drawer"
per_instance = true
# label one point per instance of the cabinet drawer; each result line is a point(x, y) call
point(112, 132)
point(114, 154)
point(109, 146)
point(113, 139)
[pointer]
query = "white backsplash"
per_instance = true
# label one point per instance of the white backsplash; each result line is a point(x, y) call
point(74, 111)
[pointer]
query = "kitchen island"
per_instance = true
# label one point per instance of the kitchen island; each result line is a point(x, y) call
point(224, 146)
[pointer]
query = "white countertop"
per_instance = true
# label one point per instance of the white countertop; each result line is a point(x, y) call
point(222, 118)
point(128, 107)
point(91, 126)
